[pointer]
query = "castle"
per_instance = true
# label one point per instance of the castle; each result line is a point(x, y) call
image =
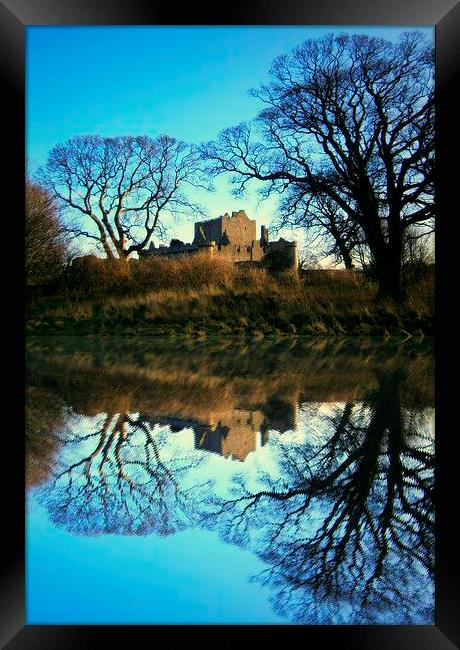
point(234, 236)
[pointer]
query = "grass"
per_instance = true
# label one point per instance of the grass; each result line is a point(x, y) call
point(199, 297)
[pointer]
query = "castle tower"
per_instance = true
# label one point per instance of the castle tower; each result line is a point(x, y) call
point(263, 236)
point(292, 250)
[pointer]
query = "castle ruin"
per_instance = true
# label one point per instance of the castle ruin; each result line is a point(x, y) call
point(232, 236)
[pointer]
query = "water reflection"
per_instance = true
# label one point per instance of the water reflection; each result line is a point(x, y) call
point(346, 526)
point(317, 457)
point(113, 478)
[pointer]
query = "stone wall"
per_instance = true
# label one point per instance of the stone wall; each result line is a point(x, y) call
point(169, 250)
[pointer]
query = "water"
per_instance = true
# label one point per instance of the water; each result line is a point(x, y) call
point(230, 482)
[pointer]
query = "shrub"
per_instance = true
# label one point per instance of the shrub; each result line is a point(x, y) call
point(92, 276)
point(46, 250)
point(276, 261)
point(184, 271)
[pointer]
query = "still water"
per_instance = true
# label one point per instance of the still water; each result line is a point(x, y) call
point(230, 482)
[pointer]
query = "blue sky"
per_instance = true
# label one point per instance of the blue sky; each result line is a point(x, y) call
point(188, 82)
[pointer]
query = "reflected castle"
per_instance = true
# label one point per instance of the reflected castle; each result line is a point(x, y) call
point(231, 397)
point(236, 429)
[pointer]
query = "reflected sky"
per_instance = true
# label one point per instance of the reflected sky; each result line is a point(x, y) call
point(230, 483)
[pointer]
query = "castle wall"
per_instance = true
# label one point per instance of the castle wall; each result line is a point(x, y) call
point(242, 434)
point(252, 252)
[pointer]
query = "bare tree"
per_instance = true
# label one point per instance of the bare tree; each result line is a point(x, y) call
point(418, 253)
point(307, 259)
point(46, 249)
point(350, 118)
point(117, 191)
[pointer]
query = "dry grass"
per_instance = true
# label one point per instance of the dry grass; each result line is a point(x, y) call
point(196, 295)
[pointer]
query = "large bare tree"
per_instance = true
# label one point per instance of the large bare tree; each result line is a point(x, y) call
point(117, 191)
point(350, 118)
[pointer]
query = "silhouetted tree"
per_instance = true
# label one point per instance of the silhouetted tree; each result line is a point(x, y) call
point(350, 119)
point(118, 190)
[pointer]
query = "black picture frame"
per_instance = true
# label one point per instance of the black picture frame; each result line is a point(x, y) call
point(15, 15)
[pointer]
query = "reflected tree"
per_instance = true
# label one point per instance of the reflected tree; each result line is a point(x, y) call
point(346, 525)
point(119, 476)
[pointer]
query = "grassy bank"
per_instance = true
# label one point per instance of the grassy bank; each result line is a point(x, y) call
point(198, 297)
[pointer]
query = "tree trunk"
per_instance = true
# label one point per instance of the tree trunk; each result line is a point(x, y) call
point(387, 256)
point(389, 276)
point(107, 249)
point(122, 255)
point(342, 247)
point(347, 259)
